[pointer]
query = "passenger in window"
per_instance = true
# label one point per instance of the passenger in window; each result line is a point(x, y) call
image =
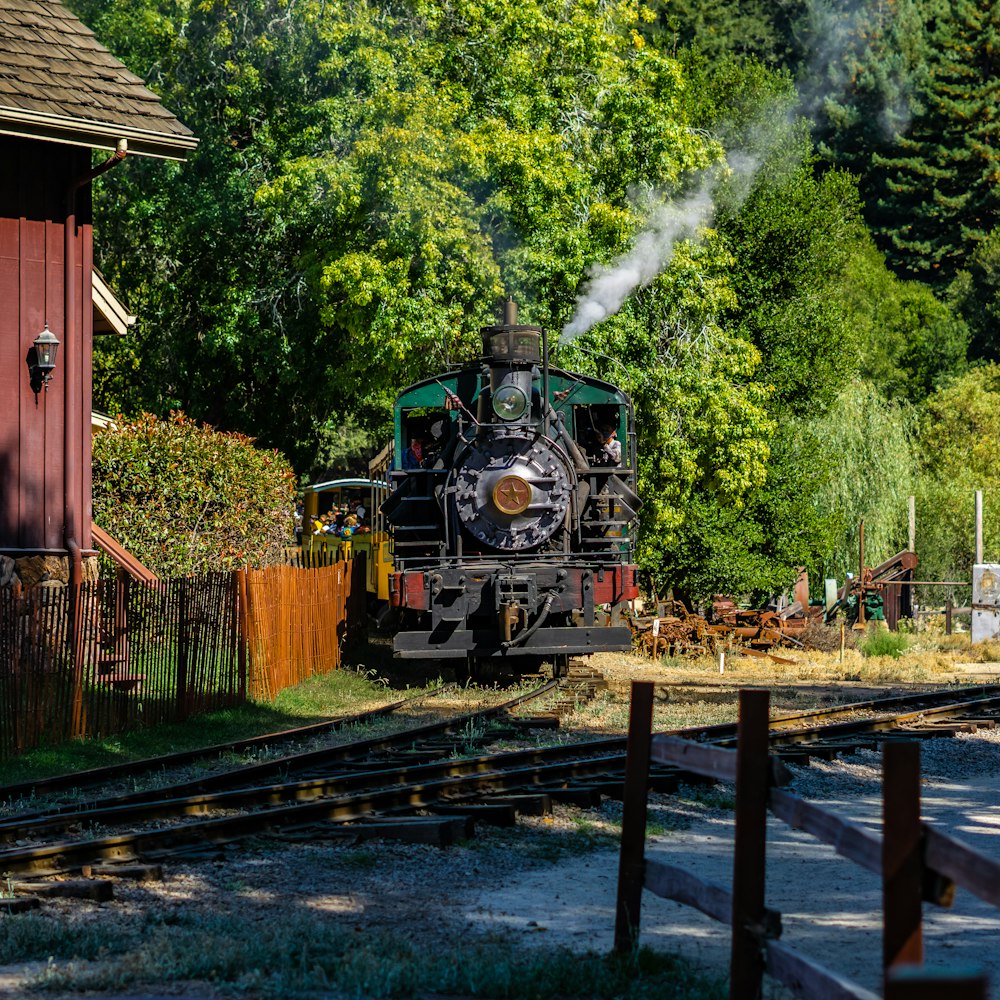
point(413, 457)
point(611, 447)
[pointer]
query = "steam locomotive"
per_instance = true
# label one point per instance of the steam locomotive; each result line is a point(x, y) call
point(511, 508)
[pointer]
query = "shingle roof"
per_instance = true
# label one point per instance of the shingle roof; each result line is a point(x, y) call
point(58, 82)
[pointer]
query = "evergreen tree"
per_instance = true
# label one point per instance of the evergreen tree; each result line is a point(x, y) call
point(863, 90)
point(940, 190)
point(718, 29)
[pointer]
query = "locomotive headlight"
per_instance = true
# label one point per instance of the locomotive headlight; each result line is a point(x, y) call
point(509, 402)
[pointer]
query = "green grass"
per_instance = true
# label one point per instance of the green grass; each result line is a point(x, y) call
point(335, 694)
point(302, 955)
point(880, 642)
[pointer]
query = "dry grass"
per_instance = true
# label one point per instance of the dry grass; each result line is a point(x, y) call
point(691, 691)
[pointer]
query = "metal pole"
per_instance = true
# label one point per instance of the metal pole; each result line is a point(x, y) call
point(912, 504)
point(860, 623)
point(979, 527)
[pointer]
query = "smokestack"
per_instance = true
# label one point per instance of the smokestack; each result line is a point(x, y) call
point(510, 312)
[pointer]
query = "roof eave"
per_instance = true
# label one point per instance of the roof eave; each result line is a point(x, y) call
point(97, 135)
point(114, 317)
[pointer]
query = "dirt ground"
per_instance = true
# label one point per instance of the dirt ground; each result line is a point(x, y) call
point(497, 890)
point(830, 908)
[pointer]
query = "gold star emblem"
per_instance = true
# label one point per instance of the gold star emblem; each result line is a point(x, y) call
point(511, 495)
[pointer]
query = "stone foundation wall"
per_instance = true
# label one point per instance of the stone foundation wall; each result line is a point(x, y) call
point(27, 572)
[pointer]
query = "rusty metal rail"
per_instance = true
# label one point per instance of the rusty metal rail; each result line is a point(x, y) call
point(78, 780)
point(578, 772)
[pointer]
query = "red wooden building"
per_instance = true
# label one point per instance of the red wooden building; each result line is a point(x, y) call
point(62, 95)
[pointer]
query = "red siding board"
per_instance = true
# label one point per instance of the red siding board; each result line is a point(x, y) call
point(53, 397)
point(87, 383)
point(9, 241)
point(34, 179)
point(34, 512)
point(12, 373)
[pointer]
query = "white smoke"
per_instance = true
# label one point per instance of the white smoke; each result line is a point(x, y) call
point(835, 28)
point(610, 284)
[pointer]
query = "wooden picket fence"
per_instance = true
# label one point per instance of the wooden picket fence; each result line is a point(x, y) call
point(297, 620)
point(917, 863)
point(114, 655)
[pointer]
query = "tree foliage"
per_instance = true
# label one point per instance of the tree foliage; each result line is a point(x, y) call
point(959, 439)
point(185, 498)
point(940, 184)
point(372, 178)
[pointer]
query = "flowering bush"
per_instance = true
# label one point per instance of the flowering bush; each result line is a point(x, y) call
point(185, 498)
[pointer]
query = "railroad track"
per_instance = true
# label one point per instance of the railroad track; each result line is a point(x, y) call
point(380, 796)
point(98, 776)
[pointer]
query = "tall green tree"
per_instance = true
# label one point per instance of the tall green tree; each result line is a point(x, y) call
point(940, 196)
point(370, 179)
point(975, 295)
point(863, 89)
point(959, 438)
point(909, 341)
point(720, 29)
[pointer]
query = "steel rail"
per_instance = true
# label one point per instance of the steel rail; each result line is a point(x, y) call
point(144, 808)
point(58, 857)
point(921, 702)
point(406, 788)
point(358, 750)
point(890, 722)
point(128, 769)
point(605, 750)
point(289, 764)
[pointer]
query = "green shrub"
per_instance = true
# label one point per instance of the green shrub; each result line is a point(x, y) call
point(879, 642)
point(185, 498)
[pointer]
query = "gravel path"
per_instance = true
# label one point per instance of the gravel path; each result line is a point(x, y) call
point(830, 907)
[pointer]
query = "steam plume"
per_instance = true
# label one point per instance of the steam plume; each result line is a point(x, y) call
point(835, 29)
point(610, 284)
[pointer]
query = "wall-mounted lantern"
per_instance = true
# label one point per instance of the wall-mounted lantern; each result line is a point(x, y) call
point(46, 346)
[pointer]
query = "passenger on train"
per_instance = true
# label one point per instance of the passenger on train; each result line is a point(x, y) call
point(413, 457)
point(611, 447)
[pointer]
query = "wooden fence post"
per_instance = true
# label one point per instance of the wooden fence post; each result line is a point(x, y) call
point(182, 648)
point(631, 861)
point(902, 865)
point(912, 983)
point(746, 970)
point(241, 633)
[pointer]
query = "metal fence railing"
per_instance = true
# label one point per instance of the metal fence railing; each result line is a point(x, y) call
point(109, 656)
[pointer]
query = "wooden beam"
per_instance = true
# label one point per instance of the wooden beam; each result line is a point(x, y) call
point(707, 761)
point(672, 882)
point(964, 865)
point(807, 978)
point(746, 967)
point(122, 556)
point(924, 983)
point(850, 841)
point(902, 865)
point(633, 841)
